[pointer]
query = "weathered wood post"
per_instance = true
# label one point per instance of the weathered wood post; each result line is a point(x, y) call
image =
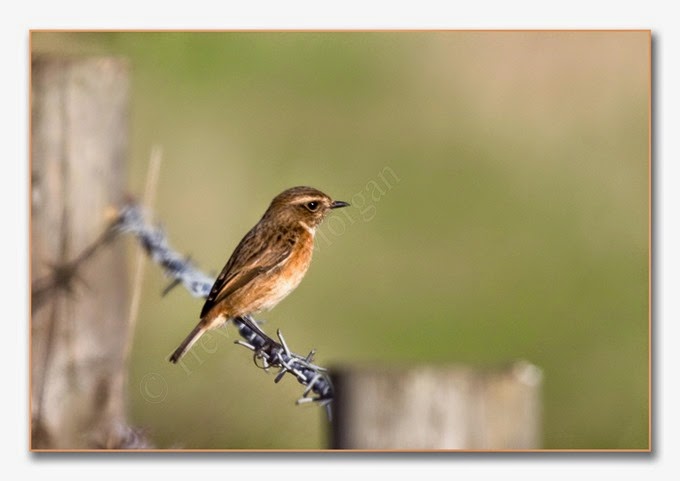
point(79, 130)
point(447, 407)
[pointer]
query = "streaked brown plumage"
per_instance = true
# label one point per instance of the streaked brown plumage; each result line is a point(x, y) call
point(268, 263)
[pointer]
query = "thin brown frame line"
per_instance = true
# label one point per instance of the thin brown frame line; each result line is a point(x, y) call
point(352, 450)
point(649, 241)
point(30, 244)
point(339, 30)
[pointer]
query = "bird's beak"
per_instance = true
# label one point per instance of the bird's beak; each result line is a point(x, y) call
point(339, 203)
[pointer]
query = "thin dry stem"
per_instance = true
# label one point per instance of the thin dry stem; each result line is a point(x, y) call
point(150, 188)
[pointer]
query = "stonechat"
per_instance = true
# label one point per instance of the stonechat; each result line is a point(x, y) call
point(268, 263)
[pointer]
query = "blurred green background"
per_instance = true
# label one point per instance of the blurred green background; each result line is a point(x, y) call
point(500, 191)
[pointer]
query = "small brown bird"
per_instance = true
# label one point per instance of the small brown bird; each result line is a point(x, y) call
point(268, 263)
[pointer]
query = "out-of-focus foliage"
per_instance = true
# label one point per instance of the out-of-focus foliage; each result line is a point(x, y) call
point(500, 191)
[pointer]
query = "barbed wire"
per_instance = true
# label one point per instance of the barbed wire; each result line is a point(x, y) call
point(267, 353)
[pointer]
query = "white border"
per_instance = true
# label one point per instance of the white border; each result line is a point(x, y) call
point(18, 18)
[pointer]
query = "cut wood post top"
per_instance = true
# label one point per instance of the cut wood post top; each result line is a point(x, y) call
point(437, 407)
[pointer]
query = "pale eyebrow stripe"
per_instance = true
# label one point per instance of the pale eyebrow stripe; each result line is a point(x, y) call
point(303, 200)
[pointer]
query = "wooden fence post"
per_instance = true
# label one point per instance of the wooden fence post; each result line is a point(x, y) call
point(79, 130)
point(447, 407)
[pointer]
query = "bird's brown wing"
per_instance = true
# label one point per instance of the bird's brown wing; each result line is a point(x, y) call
point(254, 256)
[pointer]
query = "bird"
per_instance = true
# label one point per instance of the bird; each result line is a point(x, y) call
point(268, 263)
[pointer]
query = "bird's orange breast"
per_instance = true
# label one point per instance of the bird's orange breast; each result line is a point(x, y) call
point(283, 280)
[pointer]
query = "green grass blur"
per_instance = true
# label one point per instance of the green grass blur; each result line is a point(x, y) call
point(500, 191)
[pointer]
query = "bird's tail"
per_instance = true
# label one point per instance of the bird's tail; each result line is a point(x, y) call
point(188, 342)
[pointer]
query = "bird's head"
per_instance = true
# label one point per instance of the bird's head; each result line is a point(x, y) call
point(305, 206)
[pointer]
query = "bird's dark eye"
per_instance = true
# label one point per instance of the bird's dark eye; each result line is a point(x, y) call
point(313, 205)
